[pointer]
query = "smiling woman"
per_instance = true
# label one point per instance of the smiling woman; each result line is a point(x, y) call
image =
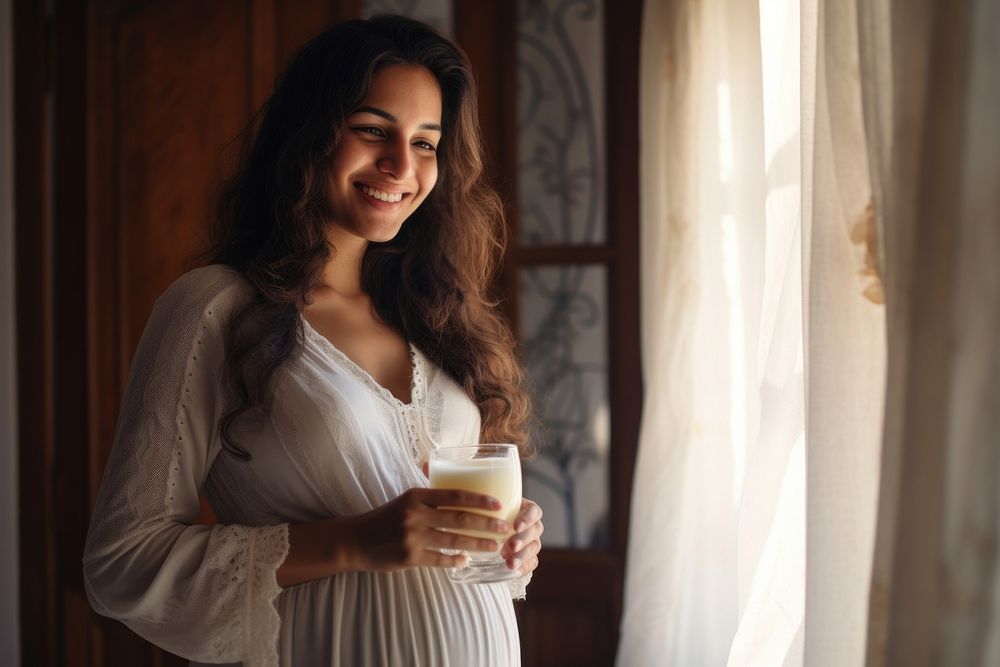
point(340, 332)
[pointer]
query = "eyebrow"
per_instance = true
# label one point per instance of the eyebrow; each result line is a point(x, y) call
point(392, 119)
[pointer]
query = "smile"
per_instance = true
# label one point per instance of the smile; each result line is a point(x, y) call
point(380, 195)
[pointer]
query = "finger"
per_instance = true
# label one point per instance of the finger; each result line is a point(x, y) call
point(459, 498)
point(530, 513)
point(439, 539)
point(470, 521)
point(518, 540)
point(425, 466)
point(529, 551)
point(438, 559)
point(523, 565)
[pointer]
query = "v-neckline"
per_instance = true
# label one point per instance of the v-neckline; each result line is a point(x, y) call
point(366, 378)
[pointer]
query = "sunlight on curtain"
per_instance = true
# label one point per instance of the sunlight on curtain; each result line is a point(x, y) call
point(845, 342)
point(899, 158)
point(716, 559)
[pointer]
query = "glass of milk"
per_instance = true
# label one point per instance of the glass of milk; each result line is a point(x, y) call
point(491, 469)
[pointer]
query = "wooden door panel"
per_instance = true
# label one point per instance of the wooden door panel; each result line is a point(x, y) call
point(170, 86)
point(182, 92)
point(575, 635)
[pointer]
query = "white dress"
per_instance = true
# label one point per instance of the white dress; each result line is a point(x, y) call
point(336, 444)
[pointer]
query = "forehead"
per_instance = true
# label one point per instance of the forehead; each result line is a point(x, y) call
point(408, 92)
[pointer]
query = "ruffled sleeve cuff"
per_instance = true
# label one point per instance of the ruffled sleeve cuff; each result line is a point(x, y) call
point(270, 548)
point(518, 587)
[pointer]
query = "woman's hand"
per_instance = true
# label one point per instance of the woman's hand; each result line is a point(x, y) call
point(521, 549)
point(405, 532)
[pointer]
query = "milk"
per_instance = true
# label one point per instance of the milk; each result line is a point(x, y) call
point(497, 477)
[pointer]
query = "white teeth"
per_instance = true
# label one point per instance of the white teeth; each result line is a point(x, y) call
point(379, 194)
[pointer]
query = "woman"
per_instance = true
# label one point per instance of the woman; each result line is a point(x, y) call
point(341, 331)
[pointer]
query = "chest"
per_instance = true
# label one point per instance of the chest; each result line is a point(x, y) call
point(375, 347)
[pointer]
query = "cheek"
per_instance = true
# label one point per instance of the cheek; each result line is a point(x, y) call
point(343, 160)
point(430, 179)
point(334, 196)
point(334, 178)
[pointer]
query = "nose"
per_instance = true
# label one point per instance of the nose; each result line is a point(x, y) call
point(396, 160)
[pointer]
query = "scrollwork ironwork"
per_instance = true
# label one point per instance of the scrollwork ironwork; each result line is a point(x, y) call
point(560, 173)
point(561, 202)
point(565, 385)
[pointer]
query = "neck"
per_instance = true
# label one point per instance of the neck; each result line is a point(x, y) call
point(342, 273)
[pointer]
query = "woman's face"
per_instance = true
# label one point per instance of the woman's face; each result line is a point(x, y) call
point(386, 162)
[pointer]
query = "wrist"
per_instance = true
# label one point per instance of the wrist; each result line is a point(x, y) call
point(320, 549)
point(345, 552)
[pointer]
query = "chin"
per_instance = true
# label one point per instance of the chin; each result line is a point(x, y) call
point(383, 235)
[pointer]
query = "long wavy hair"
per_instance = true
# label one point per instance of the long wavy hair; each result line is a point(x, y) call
point(431, 282)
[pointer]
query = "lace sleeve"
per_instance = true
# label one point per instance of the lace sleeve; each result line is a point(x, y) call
point(205, 593)
point(518, 587)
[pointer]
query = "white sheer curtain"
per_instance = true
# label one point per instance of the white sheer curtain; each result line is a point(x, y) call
point(932, 111)
point(716, 559)
point(846, 340)
point(763, 340)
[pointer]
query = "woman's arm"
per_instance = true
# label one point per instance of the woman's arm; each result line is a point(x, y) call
point(205, 593)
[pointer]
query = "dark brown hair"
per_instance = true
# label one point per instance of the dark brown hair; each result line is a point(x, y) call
point(431, 282)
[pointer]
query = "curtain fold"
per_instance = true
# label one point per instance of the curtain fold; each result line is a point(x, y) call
point(935, 595)
point(845, 345)
point(651, 631)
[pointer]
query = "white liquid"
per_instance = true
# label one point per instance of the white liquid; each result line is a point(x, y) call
point(499, 478)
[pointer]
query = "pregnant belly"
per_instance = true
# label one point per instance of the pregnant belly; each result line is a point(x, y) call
point(412, 617)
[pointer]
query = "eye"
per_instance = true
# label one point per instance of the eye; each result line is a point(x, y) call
point(426, 145)
point(373, 131)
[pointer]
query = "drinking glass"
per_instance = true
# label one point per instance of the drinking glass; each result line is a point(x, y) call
point(491, 469)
